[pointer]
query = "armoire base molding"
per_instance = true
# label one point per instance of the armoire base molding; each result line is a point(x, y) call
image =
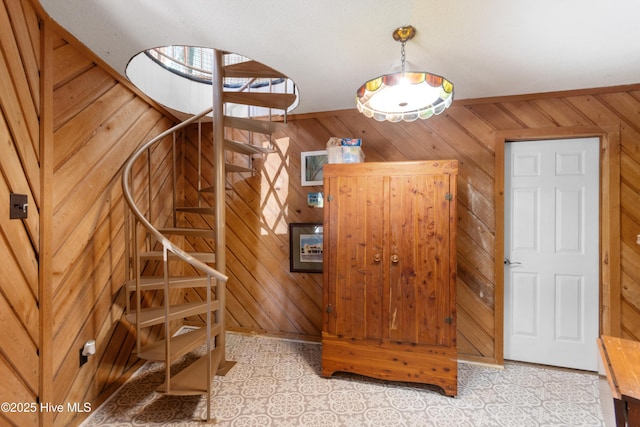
point(391, 361)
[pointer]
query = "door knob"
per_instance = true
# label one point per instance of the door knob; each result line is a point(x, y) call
point(377, 258)
point(507, 261)
point(395, 258)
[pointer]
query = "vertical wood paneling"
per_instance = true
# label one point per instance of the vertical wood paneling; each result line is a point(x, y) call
point(45, 269)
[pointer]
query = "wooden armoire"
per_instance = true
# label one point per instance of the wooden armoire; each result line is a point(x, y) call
point(389, 271)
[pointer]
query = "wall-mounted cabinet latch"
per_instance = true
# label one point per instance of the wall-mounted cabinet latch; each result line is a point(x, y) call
point(18, 206)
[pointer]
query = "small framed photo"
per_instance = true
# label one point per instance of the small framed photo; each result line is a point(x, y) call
point(305, 247)
point(311, 163)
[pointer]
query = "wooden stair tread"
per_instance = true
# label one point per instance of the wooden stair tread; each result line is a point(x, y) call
point(243, 148)
point(249, 69)
point(155, 315)
point(229, 167)
point(180, 344)
point(197, 209)
point(175, 282)
point(253, 125)
point(193, 379)
point(206, 257)
point(200, 232)
point(280, 101)
point(211, 189)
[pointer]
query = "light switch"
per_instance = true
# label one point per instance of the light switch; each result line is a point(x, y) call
point(18, 206)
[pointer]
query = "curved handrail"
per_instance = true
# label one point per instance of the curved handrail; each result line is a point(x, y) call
point(166, 243)
point(203, 75)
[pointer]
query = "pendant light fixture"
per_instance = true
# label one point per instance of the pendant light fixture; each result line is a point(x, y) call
point(404, 95)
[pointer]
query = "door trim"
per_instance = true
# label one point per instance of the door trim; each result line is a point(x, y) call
point(609, 220)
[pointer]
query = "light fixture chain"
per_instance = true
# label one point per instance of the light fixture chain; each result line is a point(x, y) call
point(402, 54)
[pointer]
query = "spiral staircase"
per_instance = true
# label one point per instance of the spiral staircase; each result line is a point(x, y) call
point(159, 270)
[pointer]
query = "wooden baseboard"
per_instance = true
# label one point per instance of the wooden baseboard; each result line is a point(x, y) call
point(283, 335)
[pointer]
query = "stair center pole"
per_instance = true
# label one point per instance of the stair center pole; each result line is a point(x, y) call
point(219, 210)
point(218, 160)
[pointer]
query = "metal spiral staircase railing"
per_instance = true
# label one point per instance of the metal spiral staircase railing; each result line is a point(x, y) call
point(147, 242)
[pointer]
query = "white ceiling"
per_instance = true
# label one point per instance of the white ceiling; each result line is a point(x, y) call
point(330, 47)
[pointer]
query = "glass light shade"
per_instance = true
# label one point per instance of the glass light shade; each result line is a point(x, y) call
point(404, 96)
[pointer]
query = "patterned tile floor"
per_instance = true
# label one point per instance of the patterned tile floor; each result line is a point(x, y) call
point(276, 382)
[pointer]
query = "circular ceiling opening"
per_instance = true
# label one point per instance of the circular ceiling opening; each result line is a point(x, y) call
point(196, 63)
point(179, 77)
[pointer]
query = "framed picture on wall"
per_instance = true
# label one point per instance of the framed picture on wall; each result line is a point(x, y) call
point(305, 247)
point(311, 163)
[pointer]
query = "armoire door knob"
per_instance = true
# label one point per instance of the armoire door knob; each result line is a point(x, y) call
point(395, 258)
point(377, 258)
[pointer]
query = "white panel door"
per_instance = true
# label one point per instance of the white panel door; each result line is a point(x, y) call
point(551, 252)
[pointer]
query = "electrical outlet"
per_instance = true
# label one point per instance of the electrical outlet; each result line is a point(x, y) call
point(83, 359)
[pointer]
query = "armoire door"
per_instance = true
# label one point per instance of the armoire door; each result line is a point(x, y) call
point(355, 261)
point(421, 308)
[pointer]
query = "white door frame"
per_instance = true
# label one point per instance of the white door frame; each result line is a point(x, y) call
point(609, 221)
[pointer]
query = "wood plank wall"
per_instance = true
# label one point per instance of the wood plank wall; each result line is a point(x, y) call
point(263, 295)
point(97, 120)
point(96, 123)
point(19, 239)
